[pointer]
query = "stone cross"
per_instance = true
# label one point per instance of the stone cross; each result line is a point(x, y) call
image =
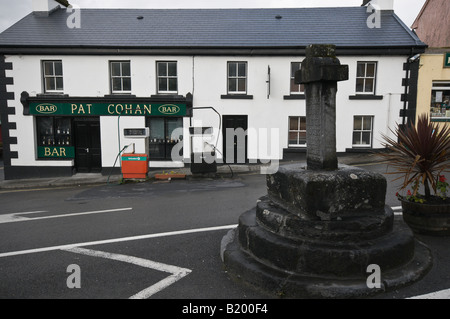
point(320, 71)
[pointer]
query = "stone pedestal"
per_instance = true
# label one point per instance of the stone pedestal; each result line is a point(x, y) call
point(315, 234)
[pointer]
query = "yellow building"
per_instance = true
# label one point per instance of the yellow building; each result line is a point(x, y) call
point(432, 25)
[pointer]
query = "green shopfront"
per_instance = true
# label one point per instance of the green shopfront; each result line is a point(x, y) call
point(68, 128)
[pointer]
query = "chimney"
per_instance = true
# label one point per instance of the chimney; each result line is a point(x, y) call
point(44, 7)
point(384, 5)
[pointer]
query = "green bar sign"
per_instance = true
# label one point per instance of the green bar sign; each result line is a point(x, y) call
point(108, 109)
point(56, 152)
point(447, 60)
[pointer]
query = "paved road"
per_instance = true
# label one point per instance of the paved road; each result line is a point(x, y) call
point(143, 240)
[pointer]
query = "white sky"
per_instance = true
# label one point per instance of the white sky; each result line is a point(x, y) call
point(12, 11)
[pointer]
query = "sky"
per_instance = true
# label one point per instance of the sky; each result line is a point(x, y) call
point(12, 11)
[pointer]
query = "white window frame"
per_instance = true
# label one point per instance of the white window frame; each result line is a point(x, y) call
point(297, 131)
point(362, 130)
point(167, 76)
point(301, 87)
point(121, 77)
point(237, 77)
point(365, 77)
point(52, 76)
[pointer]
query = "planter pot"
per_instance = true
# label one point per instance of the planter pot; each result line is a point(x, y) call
point(427, 219)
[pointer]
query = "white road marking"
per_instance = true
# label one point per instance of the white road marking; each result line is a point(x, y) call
point(443, 294)
point(115, 240)
point(176, 272)
point(12, 218)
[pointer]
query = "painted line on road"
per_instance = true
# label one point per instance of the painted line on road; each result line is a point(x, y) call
point(397, 210)
point(443, 294)
point(177, 273)
point(115, 240)
point(12, 218)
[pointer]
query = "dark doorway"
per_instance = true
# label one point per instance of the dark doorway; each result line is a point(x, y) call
point(235, 139)
point(87, 145)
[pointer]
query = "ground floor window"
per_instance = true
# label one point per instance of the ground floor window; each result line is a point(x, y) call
point(54, 137)
point(165, 133)
point(440, 101)
point(362, 131)
point(297, 131)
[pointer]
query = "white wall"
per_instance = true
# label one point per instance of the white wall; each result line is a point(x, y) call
point(89, 76)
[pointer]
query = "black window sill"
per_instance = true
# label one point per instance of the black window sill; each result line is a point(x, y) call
point(367, 149)
point(365, 97)
point(236, 97)
point(300, 149)
point(53, 94)
point(294, 97)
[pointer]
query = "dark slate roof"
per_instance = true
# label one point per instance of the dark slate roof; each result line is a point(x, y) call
point(210, 28)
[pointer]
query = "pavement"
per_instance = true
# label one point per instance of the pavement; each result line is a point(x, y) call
point(223, 170)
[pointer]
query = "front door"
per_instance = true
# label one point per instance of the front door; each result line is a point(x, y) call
point(87, 145)
point(235, 139)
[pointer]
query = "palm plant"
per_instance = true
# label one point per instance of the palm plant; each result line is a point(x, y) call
point(421, 154)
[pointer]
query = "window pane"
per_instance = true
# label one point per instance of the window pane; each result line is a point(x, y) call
point(356, 138)
point(115, 69)
point(117, 84)
point(302, 138)
point(241, 85)
point(162, 69)
point(59, 84)
point(126, 69)
point(360, 71)
point(293, 138)
point(367, 124)
point(293, 123)
point(295, 66)
point(173, 85)
point(232, 69)
point(48, 68)
point(359, 85)
point(50, 84)
point(357, 125)
point(58, 68)
point(295, 87)
point(232, 83)
point(126, 82)
point(366, 138)
point(368, 87)
point(242, 69)
point(303, 123)
point(173, 69)
point(370, 70)
point(162, 84)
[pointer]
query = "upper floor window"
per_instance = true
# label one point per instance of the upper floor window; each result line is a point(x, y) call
point(52, 76)
point(366, 77)
point(120, 76)
point(237, 77)
point(296, 88)
point(167, 77)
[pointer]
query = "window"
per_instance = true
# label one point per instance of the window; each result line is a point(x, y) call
point(297, 131)
point(237, 77)
point(53, 76)
point(54, 137)
point(440, 101)
point(162, 141)
point(296, 88)
point(362, 131)
point(366, 77)
point(120, 77)
point(167, 77)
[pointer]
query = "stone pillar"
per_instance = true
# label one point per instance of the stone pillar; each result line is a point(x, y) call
point(320, 72)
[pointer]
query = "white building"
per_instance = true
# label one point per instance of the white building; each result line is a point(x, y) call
point(71, 82)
